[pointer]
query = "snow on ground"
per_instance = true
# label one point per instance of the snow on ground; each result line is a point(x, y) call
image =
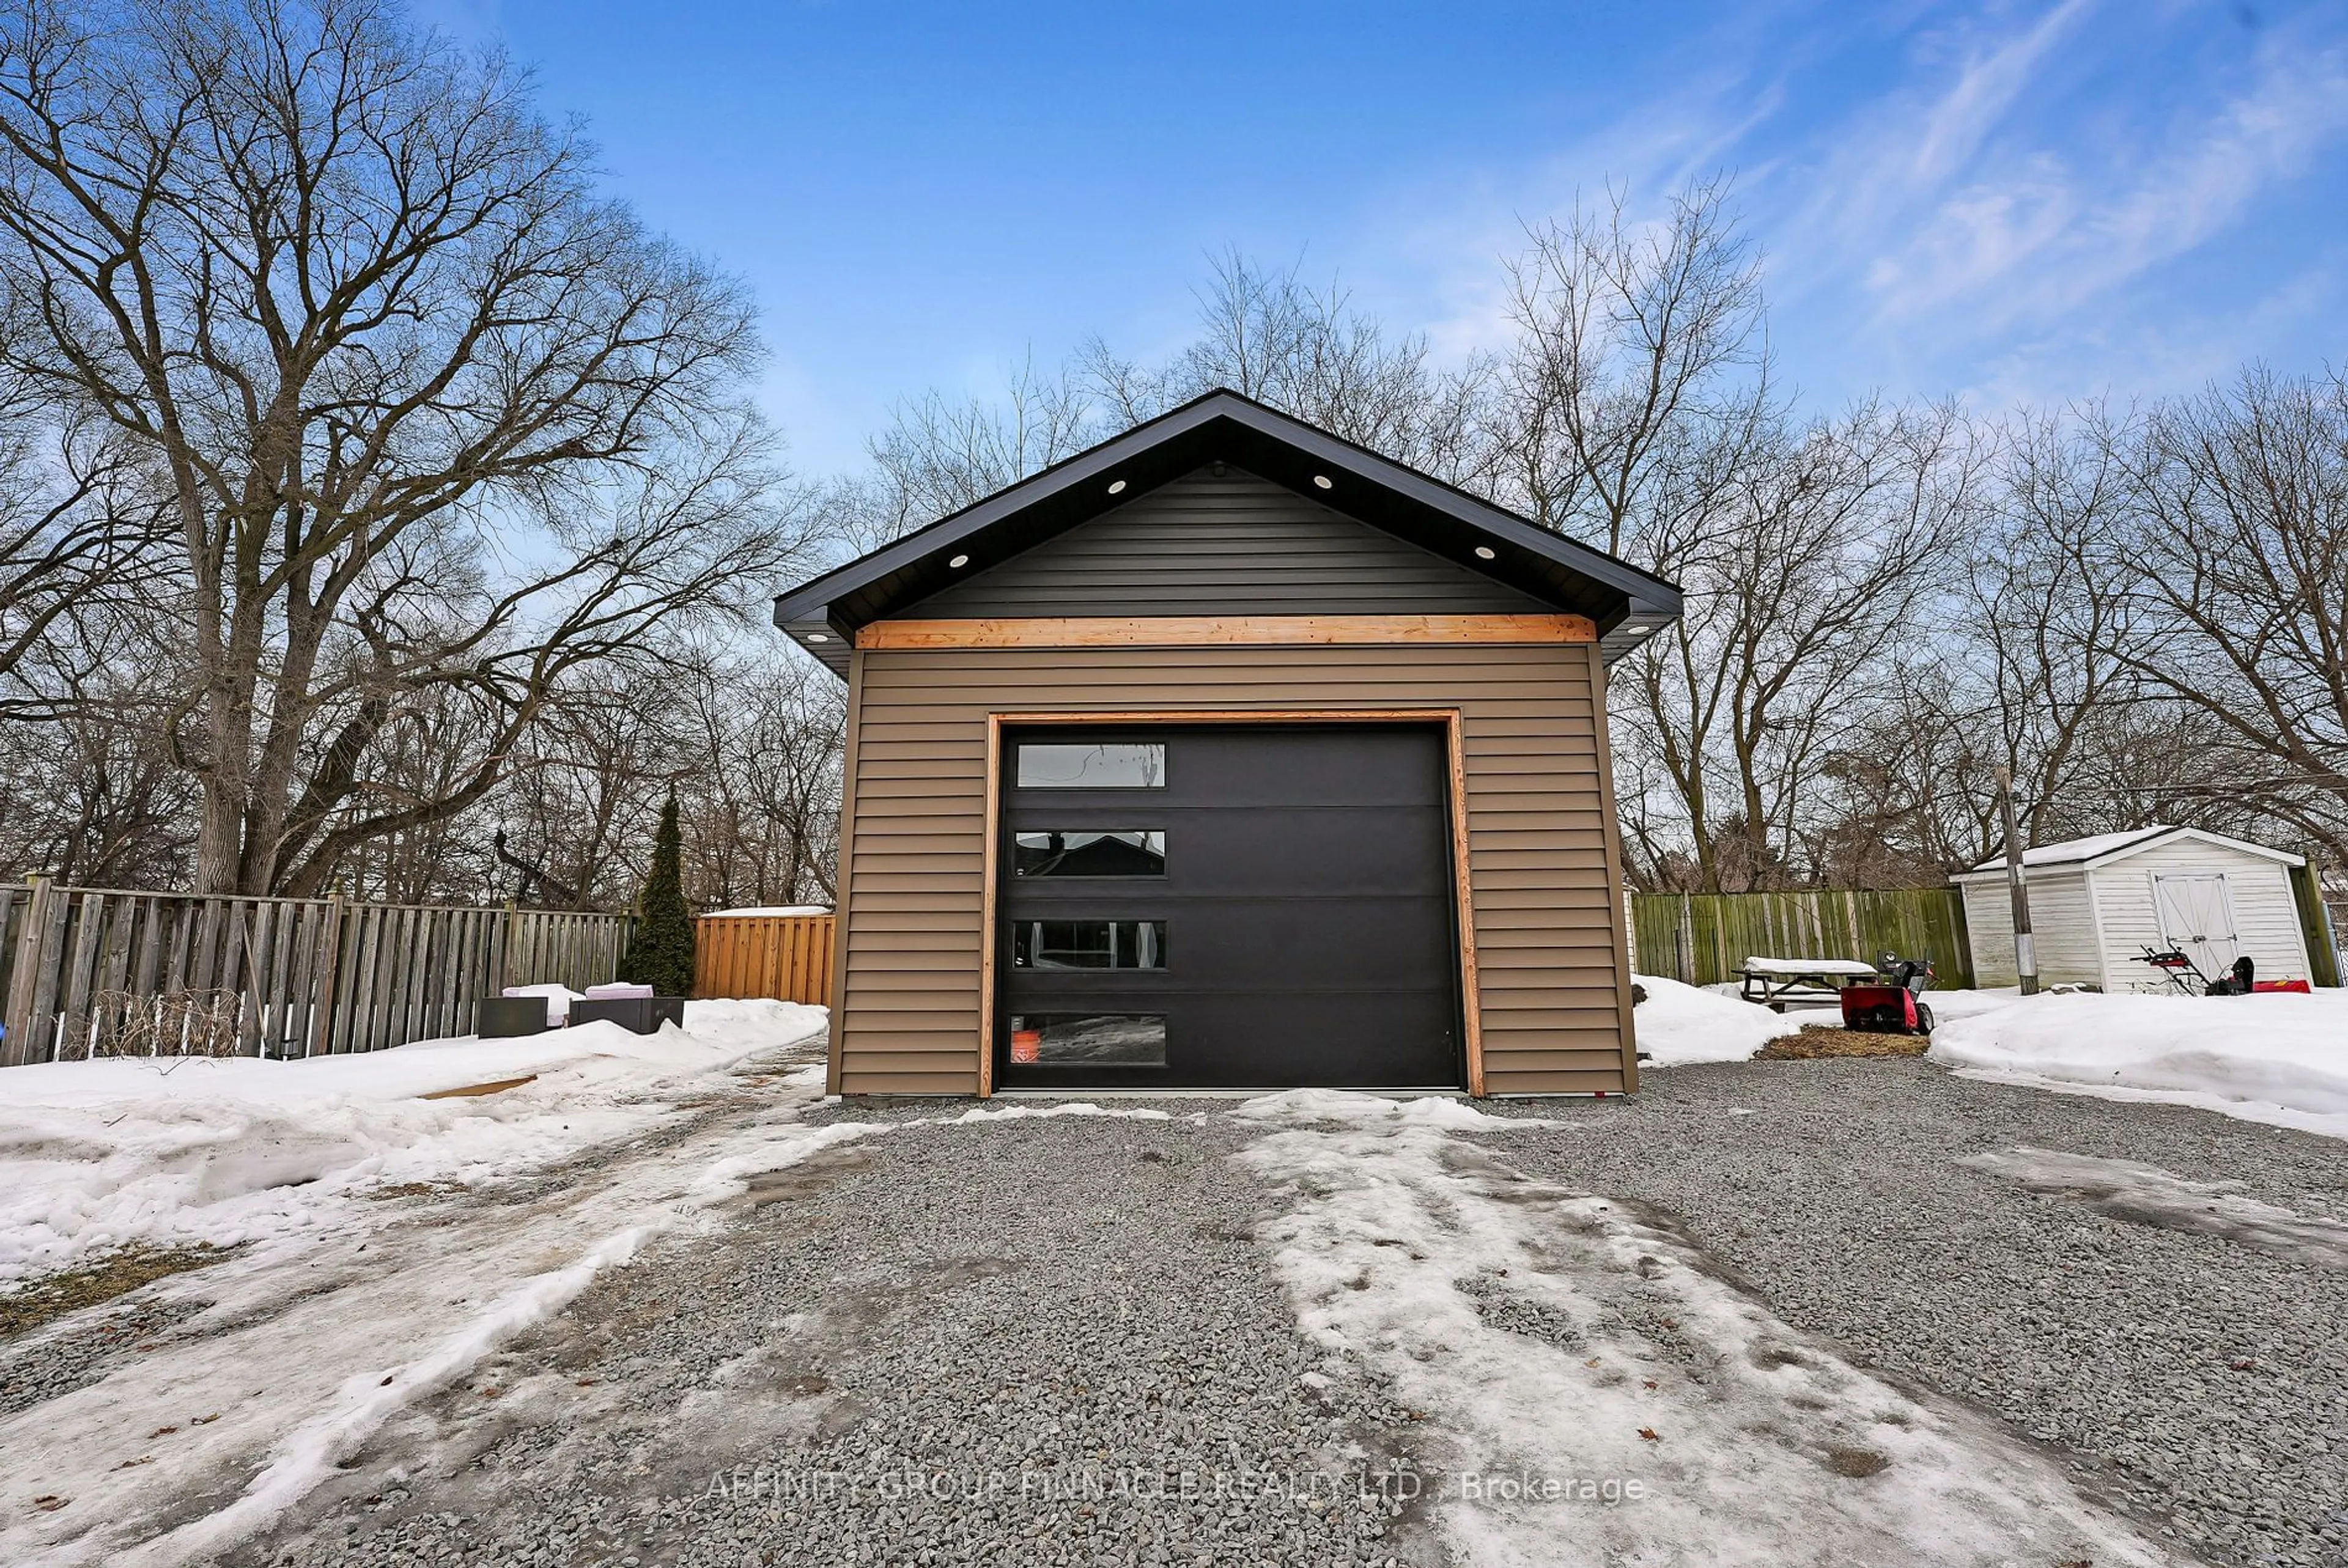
point(345, 1310)
point(1074, 1108)
point(1598, 1395)
point(1680, 1025)
point(171, 1152)
point(2275, 1058)
point(2146, 1195)
point(356, 1293)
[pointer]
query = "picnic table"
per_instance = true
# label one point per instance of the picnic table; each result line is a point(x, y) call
point(1776, 982)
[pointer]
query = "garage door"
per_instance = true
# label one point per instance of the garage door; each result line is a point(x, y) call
point(1253, 907)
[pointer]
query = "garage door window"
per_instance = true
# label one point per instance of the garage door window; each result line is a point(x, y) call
point(1090, 852)
point(1088, 944)
point(1060, 764)
point(1088, 1039)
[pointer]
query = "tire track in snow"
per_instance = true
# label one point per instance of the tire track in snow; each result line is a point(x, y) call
point(1558, 1335)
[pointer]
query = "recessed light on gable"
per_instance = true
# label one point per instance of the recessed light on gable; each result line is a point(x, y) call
point(818, 636)
point(1323, 481)
point(1484, 552)
point(1116, 487)
point(959, 561)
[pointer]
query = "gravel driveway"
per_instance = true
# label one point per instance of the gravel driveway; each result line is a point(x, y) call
point(1059, 1323)
point(2203, 1380)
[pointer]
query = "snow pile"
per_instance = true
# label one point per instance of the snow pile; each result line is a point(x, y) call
point(1678, 1026)
point(1074, 1108)
point(1302, 1106)
point(2275, 1058)
point(1595, 1394)
point(93, 1154)
point(176, 1456)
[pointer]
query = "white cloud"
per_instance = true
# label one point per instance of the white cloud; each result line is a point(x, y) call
point(1989, 204)
point(2016, 203)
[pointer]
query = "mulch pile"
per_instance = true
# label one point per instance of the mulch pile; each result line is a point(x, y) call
point(1817, 1040)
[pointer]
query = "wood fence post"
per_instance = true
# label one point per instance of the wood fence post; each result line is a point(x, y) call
point(2306, 881)
point(48, 973)
point(506, 951)
point(23, 975)
point(81, 968)
point(321, 990)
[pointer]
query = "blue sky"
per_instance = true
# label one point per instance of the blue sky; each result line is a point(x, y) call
point(2007, 201)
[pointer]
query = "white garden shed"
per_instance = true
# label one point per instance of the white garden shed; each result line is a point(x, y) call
point(2096, 904)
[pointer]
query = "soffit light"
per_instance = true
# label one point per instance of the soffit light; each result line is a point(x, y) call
point(1116, 487)
point(959, 561)
point(1323, 481)
point(818, 636)
point(1484, 552)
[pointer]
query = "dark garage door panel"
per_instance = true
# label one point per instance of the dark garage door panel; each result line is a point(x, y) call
point(1279, 1040)
point(1308, 766)
point(1253, 851)
point(1309, 904)
point(1260, 944)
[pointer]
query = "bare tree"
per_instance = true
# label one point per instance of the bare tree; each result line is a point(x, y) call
point(1310, 353)
point(763, 799)
point(78, 526)
point(589, 777)
point(2238, 572)
point(749, 741)
point(427, 415)
point(87, 793)
point(1811, 566)
point(1638, 347)
point(939, 455)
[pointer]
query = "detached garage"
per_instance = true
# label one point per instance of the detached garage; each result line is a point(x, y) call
point(2096, 904)
point(1229, 756)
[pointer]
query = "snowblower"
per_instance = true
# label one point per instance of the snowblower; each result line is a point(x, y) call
point(2238, 980)
point(1888, 1003)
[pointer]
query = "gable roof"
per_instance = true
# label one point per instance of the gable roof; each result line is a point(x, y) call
point(1627, 604)
point(2102, 849)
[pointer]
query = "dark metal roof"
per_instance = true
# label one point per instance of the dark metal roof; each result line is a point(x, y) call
point(1627, 603)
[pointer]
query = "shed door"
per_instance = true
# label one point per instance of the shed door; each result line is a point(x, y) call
point(1259, 905)
point(2196, 916)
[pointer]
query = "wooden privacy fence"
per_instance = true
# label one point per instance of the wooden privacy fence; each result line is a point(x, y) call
point(786, 957)
point(85, 970)
point(1704, 939)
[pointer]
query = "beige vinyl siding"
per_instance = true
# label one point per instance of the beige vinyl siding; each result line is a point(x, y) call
point(2265, 916)
point(1543, 857)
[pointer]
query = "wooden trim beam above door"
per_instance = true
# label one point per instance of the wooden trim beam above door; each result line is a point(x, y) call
point(1238, 631)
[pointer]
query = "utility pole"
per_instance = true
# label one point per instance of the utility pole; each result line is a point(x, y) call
point(2025, 955)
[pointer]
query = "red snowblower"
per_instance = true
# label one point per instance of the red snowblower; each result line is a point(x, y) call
point(2240, 979)
point(1889, 1003)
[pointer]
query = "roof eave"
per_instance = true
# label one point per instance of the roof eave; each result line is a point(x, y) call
point(825, 606)
point(2200, 835)
point(2152, 838)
